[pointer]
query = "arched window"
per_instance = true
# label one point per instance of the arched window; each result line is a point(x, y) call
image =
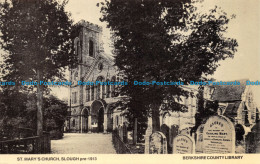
point(98, 91)
point(87, 93)
point(108, 90)
point(78, 48)
point(117, 121)
point(92, 92)
point(91, 48)
point(113, 79)
point(98, 96)
point(74, 97)
point(73, 123)
point(103, 92)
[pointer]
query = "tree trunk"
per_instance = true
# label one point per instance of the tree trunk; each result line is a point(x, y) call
point(39, 105)
point(155, 117)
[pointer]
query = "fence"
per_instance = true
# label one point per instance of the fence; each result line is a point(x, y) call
point(16, 133)
point(119, 145)
point(29, 145)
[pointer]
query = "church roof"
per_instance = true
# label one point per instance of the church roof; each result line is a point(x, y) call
point(229, 92)
point(231, 109)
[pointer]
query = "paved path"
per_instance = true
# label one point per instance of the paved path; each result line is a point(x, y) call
point(83, 143)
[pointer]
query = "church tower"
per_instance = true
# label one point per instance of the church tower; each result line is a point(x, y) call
point(87, 46)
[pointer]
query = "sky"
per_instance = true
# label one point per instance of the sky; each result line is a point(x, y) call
point(244, 28)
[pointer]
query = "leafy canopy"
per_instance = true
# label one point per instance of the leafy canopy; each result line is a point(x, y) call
point(36, 36)
point(165, 40)
point(19, 110)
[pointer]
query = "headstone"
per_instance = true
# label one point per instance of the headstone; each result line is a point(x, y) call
point(183, 144)
point(157, 143)
point(166, 131)
point(199, 139)
point(125, 140)
point(240, 139)
point(148, 132)
point(219, 136)
point(253, 139)
point(250, 143)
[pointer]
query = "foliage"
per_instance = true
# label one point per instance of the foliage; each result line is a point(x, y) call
point(55, 113)
point(164, 40)
point(19, 111)
point(37, 38)
point(15, 110)
point(36, 35)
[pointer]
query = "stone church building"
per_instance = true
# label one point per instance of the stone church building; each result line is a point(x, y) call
point(90, 106)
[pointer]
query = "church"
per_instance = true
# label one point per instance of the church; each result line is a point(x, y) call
point(91, 106)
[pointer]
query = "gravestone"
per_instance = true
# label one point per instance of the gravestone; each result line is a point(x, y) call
point(240, 139)
point(253, 139)
point(199, 139)
point(157, 143)
point(125, 139)
point(183, 144)
point(219, 136)
point(148, 132)
point(166, 131)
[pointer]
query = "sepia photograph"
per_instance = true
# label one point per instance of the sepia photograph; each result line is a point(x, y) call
point(86, 80)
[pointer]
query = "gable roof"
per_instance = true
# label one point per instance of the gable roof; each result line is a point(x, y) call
point(229, 92)
point(231, 109)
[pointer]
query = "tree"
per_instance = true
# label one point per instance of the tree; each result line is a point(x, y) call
point(55, 113)
point(19, 111)
point(15, 113)
point(163, 41)
point(36, 36)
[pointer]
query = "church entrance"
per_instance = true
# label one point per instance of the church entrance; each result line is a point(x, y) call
point(84, 120)
point(101, 120)
point(97, 116)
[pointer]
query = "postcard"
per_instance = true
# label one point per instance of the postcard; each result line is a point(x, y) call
point(129, 81)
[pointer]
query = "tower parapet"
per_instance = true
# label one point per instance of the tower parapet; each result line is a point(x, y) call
point(90, 26)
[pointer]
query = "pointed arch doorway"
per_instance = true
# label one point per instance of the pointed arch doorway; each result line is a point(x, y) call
point(85, 120)
point(97, 116)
